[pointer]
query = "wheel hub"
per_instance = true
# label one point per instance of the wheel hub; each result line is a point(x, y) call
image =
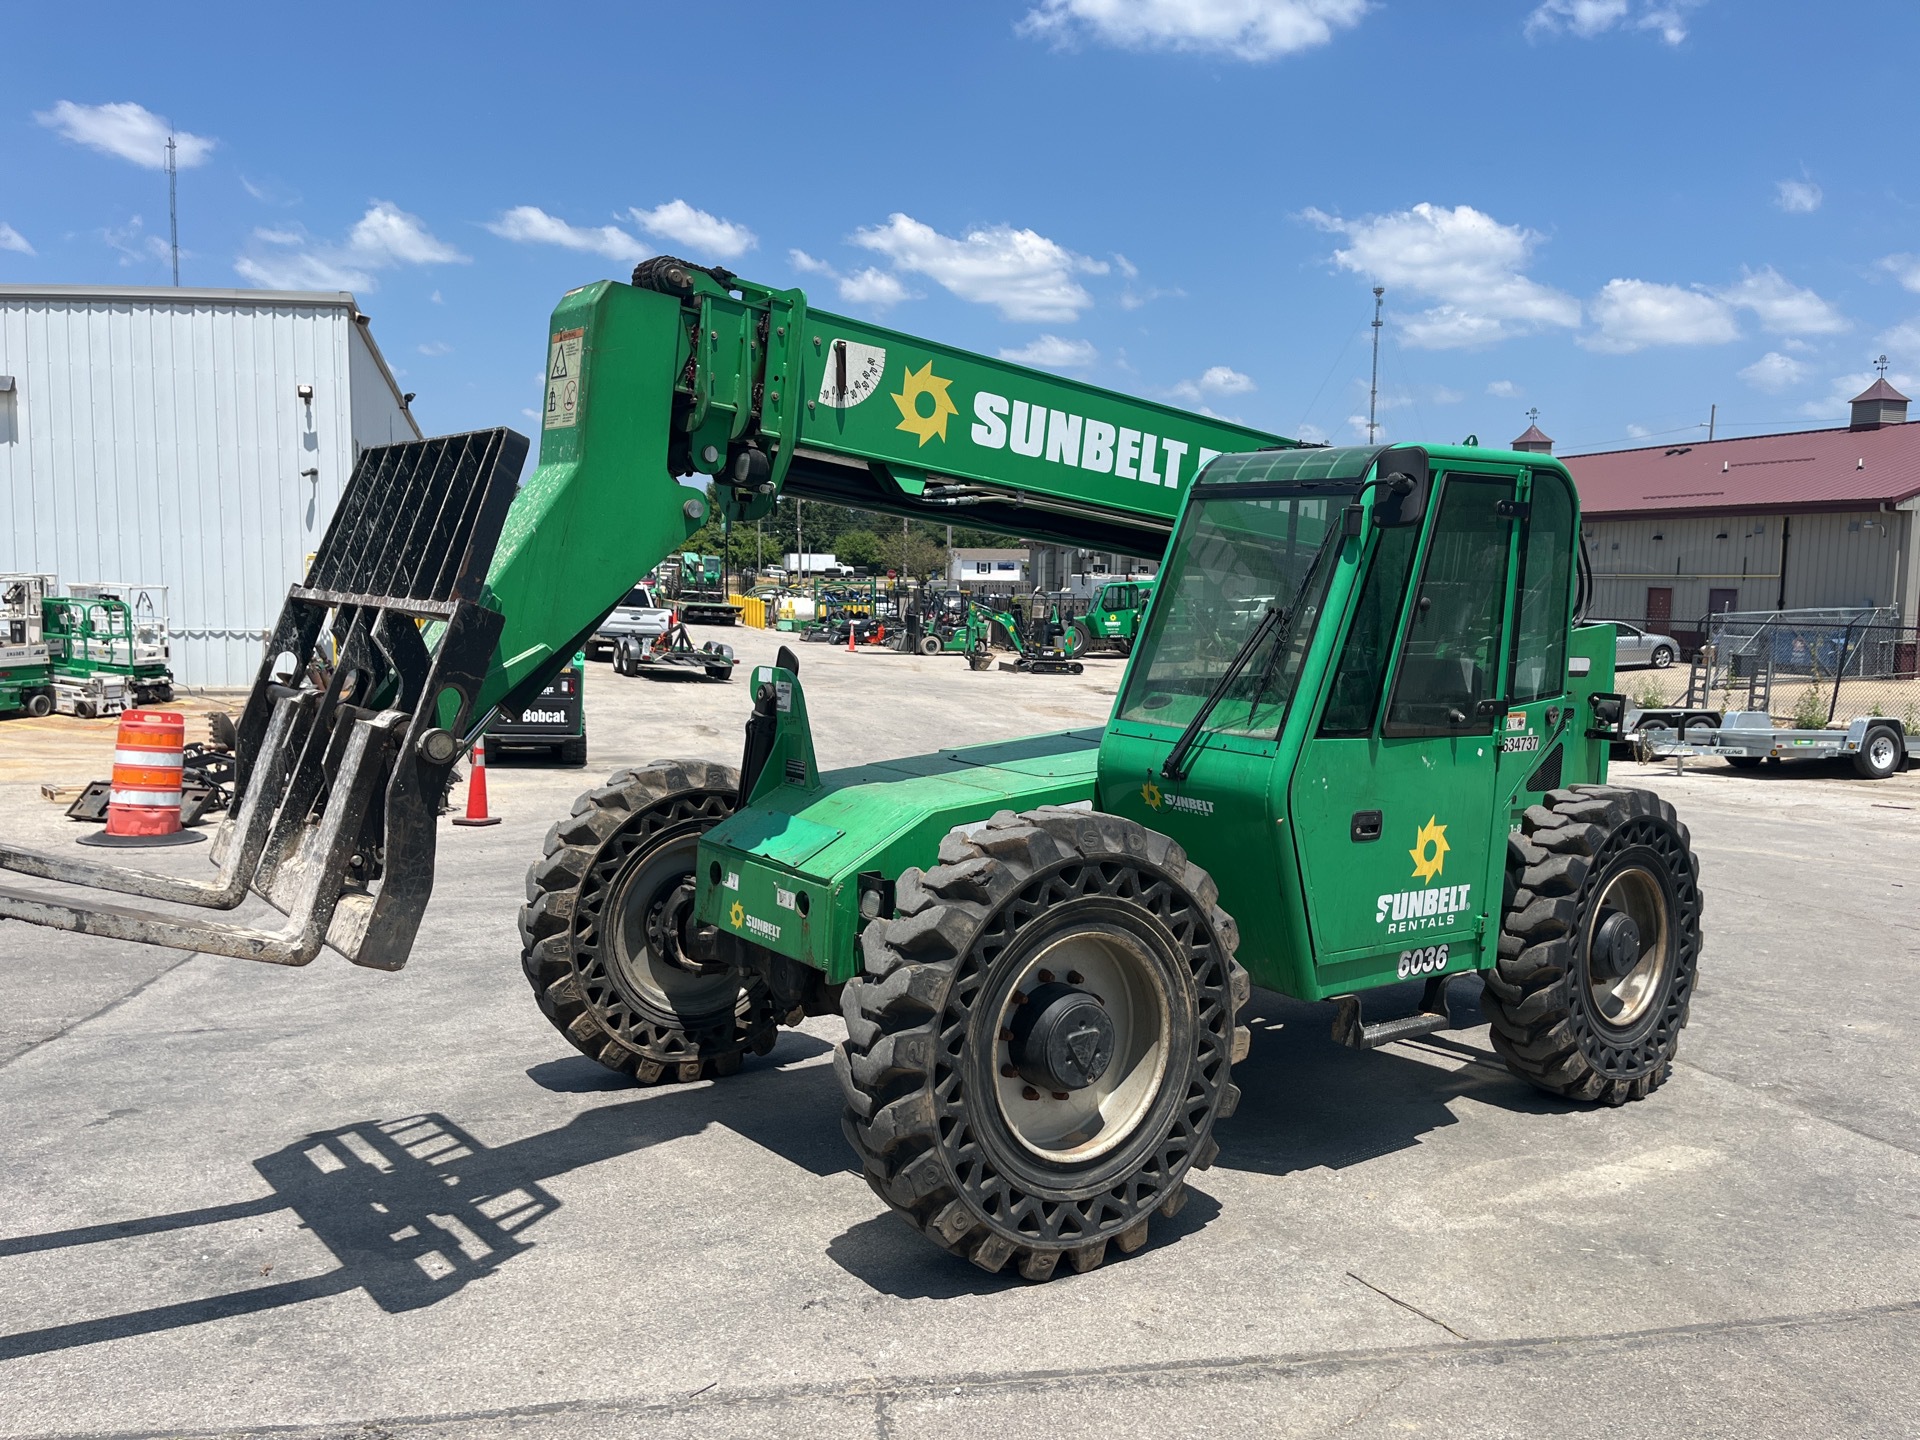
point(1063, 1038)
point(1616, 946)
point(668, 922)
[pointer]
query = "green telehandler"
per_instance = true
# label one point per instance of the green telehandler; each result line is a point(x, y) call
point(1112, 618)
point(1361, 741)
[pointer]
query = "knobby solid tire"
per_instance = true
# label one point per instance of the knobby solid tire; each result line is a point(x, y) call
point(562, 928)
point(915, 1128)
point(1536, 998)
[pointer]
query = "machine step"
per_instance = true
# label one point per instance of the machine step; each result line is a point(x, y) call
point(1350, 1029)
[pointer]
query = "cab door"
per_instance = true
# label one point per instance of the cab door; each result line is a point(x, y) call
point(1394, 798)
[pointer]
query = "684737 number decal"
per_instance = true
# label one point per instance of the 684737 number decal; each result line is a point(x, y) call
point(1424, 960)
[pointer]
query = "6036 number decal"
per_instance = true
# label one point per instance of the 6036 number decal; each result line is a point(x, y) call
point(1425, 960)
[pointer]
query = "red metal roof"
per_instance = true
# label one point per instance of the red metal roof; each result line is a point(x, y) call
point(1879, 390)
point(1802, 470)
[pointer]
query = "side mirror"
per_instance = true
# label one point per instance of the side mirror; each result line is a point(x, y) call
point(1405, 481)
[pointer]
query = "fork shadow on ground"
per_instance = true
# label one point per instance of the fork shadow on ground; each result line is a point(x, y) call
point(413, 1209)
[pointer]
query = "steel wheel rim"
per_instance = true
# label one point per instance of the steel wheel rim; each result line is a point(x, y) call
point(648, 981)
point(1880, 751)
point(1096, 1120)
point(1623, 1001)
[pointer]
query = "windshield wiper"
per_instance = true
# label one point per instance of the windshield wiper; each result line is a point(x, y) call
point(1175, 766)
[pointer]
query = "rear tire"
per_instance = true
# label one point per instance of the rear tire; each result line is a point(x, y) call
point(929, 644)
point(1881, 753)
point(572, 753)
point(1745, 762)
point(943, 1109)
point(1079, 638)
point(608, 868)
point(40, 705)
point(1598, 946)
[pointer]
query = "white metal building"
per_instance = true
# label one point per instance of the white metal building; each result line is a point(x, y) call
point(192, 439)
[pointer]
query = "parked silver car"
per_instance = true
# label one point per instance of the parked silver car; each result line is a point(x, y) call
point(640, 615)
point(1634, 645)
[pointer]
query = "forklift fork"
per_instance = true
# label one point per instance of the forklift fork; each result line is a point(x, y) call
point(339, 766)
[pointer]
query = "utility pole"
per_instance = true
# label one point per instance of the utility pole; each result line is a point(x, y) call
point(1373, 389)
point(173, 208)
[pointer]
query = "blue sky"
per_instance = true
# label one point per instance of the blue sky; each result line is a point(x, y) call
point(1619, 211)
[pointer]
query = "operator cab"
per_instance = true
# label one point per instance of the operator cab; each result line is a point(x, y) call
point(1354, 677)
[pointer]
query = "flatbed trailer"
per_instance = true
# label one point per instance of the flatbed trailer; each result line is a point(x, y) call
point(1878, 745)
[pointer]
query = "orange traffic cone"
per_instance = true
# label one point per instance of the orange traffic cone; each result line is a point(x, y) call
point(477, 790)
point(143, 807)
point(852, 626)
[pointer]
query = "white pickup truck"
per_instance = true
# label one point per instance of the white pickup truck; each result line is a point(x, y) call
point(640, 614)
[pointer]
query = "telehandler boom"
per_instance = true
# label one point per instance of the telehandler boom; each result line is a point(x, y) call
point(1361, 739)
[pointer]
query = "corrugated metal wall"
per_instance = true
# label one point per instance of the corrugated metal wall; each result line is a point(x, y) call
point(162, 443)
point(1832, 559)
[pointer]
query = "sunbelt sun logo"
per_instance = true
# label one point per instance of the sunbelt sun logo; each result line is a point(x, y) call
point(1428, 909)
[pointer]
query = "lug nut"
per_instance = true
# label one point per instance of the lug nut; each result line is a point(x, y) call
point(1046, 977)
point(1029, 1093)
point(1006, 1037)
point(1059, 1094)
point(1074, 977)
point(1008, 1072)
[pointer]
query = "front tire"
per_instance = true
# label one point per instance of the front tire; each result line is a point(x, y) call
point(597, 905)
point(39, 705)
point(1040, 1044)
point(1598, 947)
point(1662, 656)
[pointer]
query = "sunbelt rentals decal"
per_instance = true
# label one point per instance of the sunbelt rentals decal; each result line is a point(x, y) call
point(1431, 907)
point(927, 408)
point(739, 919)
point(1158, 799)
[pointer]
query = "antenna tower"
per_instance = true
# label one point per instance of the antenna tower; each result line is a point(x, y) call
point(173, 208)
point(1373, 388)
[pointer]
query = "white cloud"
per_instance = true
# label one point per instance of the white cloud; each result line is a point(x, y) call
point(1021, 273)
point(435, 298)
point(530, 225)
point(1214, 380)
point(1903, 339)
point(1797, 197)
point(1632, 314)
point(1782, 307)
point(1311, 434)
point(1503, 389)
point(712, 237)
point(129, 131)
point(387, 235)
point(134, 245)
point(1774, 372)
point(1464, 259)
point(1588, 18)
point(436, 347)
point(382, 239)
point(1637, 432)
point(1054, 353)
point(1245, 29)
point(807, 264)
point(12, 239)
point(1904, 268)
point(875, 287)
point(1125, 266)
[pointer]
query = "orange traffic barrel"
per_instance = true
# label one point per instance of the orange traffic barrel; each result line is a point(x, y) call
point(144, 805)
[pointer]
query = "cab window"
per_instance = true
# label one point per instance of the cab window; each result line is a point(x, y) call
point(1546, 581)
point(1450, 659)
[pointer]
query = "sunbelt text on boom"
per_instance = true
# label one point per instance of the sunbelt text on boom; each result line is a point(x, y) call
point(1084, 442)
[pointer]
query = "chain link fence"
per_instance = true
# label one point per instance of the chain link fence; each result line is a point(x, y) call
point(1809, 667)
